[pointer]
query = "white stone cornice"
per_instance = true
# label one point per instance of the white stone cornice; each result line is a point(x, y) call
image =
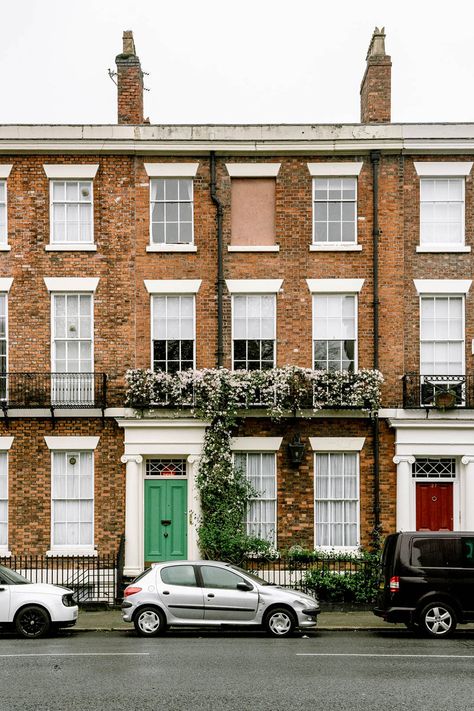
point(253, 170)
point(172, 286)
point(136, 458)
point(5, 170)
point(71, 443)
point(6, 283)
point(5, 443)
point(71, 170)
point(443, 169)
point(335, 169)
point(326, 286)
point(442, 286)
point(254, 286)
point(404, 458)
point(86, 284)
point(171, 170)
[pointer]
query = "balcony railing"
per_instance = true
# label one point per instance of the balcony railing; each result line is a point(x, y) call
point(440, 391)
point(53, 390)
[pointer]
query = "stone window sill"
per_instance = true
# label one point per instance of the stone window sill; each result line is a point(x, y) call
point(449, 248)
point(71, 248)
point(335, 247)
point(5, 248)
point(254, 248)
point(171, 248)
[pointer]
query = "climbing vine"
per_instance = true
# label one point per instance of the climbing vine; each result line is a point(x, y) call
point(218, 397)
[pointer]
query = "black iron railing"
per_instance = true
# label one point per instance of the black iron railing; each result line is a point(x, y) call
point(93, 579)
point(440, 391)
point(53, 390)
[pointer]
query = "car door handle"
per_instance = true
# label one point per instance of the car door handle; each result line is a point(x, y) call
point(166, 592)
point(2, 589)
point(210, 595)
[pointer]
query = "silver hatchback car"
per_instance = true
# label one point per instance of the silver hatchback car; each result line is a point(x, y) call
point(209, 594)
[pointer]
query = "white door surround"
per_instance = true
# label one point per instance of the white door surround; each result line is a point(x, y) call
point(157, 439)
point(436, 438)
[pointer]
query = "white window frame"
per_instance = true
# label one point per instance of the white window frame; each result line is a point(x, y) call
point(5, 446)
point(5, 170)
point(356, 323)
point(82, 549)
point(271, 293)
point(333, 246)
point(350, 169)
point(152, 319)
point(342, 549)
point(443, 169)
point(426, 246)
point(463, 304)
point(55, 385)
point(5, 294)
point(66, 246)
point(274, 543)
point(165, 246)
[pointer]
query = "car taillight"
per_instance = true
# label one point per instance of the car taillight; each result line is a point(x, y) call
point(394, 583)
point(131, 591)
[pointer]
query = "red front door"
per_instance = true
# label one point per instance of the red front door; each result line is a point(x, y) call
point(434, 507)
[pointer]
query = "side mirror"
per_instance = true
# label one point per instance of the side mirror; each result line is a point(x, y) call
point(244, 586)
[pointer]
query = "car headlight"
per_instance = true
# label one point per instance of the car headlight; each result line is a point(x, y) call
point(68, 600)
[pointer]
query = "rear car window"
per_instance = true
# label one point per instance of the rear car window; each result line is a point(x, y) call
point(179, 575)
point(442, 552)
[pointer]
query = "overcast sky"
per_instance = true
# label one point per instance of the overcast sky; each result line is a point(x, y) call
point(234, 61)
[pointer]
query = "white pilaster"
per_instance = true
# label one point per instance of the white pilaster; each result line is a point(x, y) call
point(133, 563)
point(403, 491)
point(468, 523)
point(194, 508)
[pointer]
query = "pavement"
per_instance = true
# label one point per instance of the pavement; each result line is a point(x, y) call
point(111, 621)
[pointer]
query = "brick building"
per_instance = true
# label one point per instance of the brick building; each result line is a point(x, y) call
point(328, 247)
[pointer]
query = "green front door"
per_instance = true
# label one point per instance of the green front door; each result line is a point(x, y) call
point(165, 520)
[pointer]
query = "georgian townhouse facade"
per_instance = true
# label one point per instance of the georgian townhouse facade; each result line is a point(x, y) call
point(168, 248)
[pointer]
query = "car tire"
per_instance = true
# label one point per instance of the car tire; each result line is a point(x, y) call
point(149, 622)
point(438, 620)
point(280, 622)
point(32, 622)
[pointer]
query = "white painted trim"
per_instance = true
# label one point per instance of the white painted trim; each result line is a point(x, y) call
point(5, 248)
point(339, 247)
point(329, 286)
point(71, 443)
point(443, 169)
point(254, 286)
point(171, 248)
point(253, 170)
point(442, 286)
point(5, 284)
point(171, 170)
point(152, 325)
point(342, 549)
point(6, 443)
point(253, 248)
point(335, 169)
point(74, 284)
point(71, 551)
point(5, 170)
point(442, 248)
point(71, 171)
point(337, 444)
point(172, 286)
point(71, 247)
point(256, 444)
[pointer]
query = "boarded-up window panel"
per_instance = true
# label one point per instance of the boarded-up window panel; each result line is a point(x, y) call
point(253, 211)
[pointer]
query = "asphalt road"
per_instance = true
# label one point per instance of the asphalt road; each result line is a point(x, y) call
point(237, 671)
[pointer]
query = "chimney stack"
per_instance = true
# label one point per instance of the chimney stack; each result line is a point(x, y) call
point(375, 90)
point(129, 83)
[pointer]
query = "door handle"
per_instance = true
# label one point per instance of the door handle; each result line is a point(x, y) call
point(210, 595)
point(166, 592)
point(2, 589)
point(166, 522)
point(165, 535)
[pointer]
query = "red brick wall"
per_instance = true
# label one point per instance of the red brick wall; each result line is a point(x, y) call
point(29, 463)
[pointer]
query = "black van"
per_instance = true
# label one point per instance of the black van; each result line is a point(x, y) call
point(427, 581)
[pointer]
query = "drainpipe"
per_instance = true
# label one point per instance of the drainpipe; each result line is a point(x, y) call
point(375, 160)
point(220, 263)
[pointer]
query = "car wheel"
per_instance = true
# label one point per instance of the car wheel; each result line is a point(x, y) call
point(149, 622)
point(32, 622)
point(280, 622)
point(438, 620)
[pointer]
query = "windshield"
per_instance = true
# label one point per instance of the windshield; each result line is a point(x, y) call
point(252, 576)
point(11, 577)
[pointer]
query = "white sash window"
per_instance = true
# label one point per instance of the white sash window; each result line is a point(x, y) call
point(260, 470)
point(3, 500)
point(72, 515)
point(72, 348)
point(336, 500)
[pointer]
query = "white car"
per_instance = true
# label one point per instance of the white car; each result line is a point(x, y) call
point(34, 608)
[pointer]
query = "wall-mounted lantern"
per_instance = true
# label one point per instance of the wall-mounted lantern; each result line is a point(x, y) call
point(296, 450)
